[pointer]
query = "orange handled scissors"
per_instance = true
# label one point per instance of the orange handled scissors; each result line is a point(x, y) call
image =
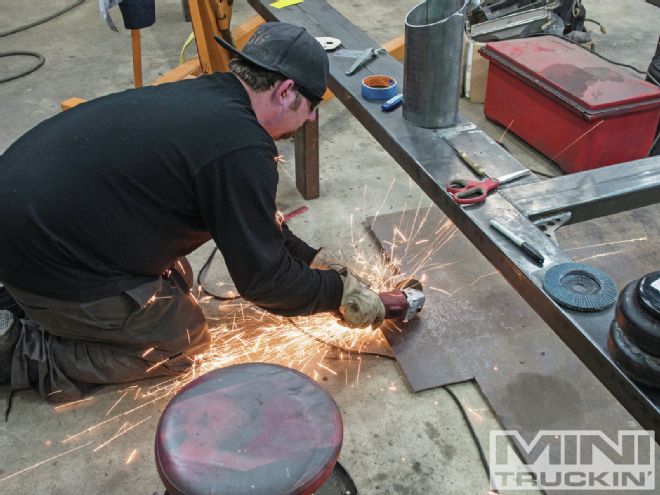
point(470, 191)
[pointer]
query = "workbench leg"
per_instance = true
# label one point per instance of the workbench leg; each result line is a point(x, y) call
point(307, 159)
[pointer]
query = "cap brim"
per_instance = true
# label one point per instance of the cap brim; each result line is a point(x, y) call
point(233, 50)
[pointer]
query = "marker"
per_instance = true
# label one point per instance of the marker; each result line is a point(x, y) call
point(392, 103)
point(527, 248)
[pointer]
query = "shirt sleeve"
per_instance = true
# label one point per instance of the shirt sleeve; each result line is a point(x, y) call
point(297, 247)
point(236, 198)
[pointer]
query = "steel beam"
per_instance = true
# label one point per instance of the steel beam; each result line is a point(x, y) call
point(429, 160)
point(592, 194)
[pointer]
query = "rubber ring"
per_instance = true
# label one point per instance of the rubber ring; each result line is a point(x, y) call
point(378, 88)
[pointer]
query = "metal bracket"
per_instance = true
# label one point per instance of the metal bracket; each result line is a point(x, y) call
point(549, 225)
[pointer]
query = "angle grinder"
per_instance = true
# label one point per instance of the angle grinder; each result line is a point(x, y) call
point(403, 302)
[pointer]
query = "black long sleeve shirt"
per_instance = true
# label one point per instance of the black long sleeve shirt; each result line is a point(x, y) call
point(105, 196)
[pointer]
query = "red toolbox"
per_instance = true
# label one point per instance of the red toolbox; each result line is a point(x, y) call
point(576, 108)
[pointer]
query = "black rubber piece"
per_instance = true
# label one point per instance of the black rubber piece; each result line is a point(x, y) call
point(638, 365)
point(640, 327)
point(339, 483)
point(648, 292)
point(580, 287)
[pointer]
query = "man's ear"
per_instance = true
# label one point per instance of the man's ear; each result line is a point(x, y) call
point(282, 89)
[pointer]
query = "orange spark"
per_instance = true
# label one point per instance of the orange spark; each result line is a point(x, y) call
point(578, 139)
point(327, 369)
point(125, 428)
point(74, 403)
point(157, 365)
point(118, 401)
point(44, 462)
point(131, 456)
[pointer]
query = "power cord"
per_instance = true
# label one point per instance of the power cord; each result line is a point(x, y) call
point(341, 348)
point(40, 61)
point(200, 278)
point(475, 438)
point(534, 35)
point(40, 58)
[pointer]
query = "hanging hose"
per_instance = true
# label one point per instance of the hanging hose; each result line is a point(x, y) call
point(188, 42)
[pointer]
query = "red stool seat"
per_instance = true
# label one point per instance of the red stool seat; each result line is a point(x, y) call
point(248, 429)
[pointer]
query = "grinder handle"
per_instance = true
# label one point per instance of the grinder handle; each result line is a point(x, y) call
point(395, 302)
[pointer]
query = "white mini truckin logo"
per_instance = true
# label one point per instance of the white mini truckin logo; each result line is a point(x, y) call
point(573, 460)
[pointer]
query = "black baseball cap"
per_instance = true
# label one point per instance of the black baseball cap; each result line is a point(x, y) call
point(290, 51)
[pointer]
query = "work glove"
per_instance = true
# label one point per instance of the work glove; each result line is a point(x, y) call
point(326, 260)
point(360, 306)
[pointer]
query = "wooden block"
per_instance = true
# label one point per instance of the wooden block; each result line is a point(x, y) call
point(184, 71)
point(396, 47)
point(71, 102)
point(475, 73)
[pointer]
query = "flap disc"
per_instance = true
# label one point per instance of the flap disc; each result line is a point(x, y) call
point(580, 287)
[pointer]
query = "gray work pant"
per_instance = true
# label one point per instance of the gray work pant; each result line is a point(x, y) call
point(67, 349)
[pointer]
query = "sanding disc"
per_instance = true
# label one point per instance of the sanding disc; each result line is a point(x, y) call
point(580, 287)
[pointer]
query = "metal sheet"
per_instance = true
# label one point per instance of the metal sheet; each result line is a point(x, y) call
point(431, 162)
point(474, 325)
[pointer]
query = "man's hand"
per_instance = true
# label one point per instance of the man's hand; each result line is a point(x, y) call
point(360, 306)
point(326, 260)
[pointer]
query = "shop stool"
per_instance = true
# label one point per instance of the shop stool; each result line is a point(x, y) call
point(248, 429)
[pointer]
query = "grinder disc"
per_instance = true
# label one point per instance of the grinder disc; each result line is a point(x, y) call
point(580, 287)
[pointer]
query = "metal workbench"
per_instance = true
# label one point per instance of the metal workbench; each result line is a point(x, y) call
point(431, 162)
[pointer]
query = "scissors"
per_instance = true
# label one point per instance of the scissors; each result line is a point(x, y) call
point(471, 191)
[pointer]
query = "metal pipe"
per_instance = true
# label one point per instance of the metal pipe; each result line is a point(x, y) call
point(432, 66)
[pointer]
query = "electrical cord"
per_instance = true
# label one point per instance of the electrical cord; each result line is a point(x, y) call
point(40, 58)
point(341, 348)
point(42, 20)
point(201, 282)
point(40, 61)
point(534, 35)
point(475, 438)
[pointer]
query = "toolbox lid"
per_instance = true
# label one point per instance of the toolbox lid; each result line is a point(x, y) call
point(575, 75)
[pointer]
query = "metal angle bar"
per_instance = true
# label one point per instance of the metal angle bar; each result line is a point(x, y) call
point(509, 21)
point(591, 194)
point(431, 162)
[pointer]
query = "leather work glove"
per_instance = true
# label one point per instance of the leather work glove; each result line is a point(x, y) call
point(326, 260)
point(360, 306)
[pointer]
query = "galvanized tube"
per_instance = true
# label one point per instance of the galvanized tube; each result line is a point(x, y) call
point(432, 66)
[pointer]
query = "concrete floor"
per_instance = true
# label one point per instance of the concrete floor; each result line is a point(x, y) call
point(395, 442)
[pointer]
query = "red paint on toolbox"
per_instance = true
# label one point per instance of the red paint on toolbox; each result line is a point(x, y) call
point(574, 107)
